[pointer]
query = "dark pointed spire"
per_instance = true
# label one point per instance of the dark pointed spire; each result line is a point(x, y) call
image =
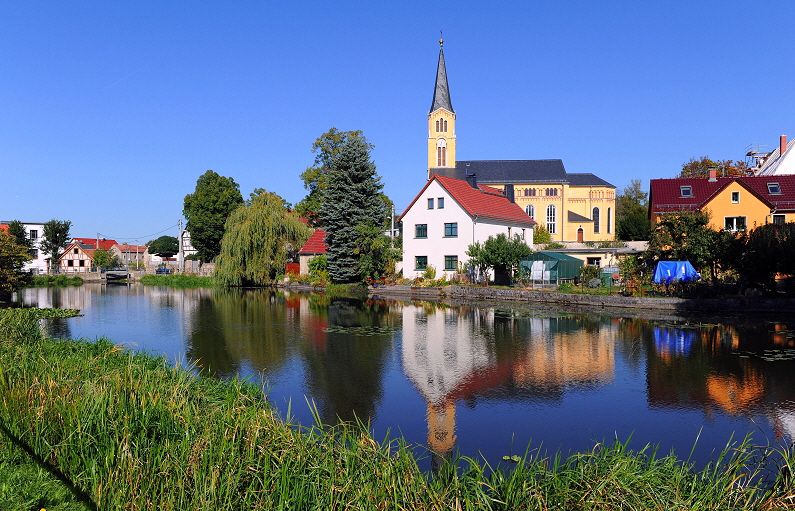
point(441, 93)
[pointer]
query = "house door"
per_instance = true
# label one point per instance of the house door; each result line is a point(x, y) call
point(580, 235)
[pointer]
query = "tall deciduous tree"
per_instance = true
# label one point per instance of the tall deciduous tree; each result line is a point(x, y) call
point(17, 230)
point(352, 203)
point(700, 168)
point(683, 236)
point(164, 246)
point(632, 212)
point(206, 210)
point(12, 257)
point(501, 254)
point(259, 238)
point(56, 237)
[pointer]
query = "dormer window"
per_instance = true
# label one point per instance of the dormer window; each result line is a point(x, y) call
point(686, 191)
point(773, 189)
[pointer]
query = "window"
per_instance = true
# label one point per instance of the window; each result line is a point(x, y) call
point(70, 262)
point(420, 230)
point(551, 219)
point(75, 251)
point(34, 234)
point(440, 203)
point(773, 189)
point(609, 218)
point(510, 233)
point(595, 220)
point(82, 262)
point(430, 203)
point(735, 223)
point(735, 197)
point(451, 230)
point(594, 261)
point(531, 211)
point(450, 263)
point(779, 219)
point(527, 192)
point(441, 153)
point(523, 234)
point(421, 263)
point(685, 191)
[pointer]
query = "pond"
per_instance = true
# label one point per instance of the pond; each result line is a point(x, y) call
point(482, 381)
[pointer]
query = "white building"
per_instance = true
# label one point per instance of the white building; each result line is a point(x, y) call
point(35, 233)
point(450, 214)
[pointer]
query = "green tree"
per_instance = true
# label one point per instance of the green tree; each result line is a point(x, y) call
point(499, 253)
point(700, 168)
point(206, 210)
point(768, 250)
point(683, 236)
point(260, 238)
point(17, 230)
point(315, 178)
point(541, 234)
point(377, 255)
point(164, 246)
point(55, 234)
point(12, 257)
point(632, 212)
point(105, 259)
point(352, 207)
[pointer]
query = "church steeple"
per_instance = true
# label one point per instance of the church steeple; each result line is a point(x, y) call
point(441, 93)
point(441, 121)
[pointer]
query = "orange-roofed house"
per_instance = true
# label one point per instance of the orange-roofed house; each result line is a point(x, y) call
point(314, 246)
point(450, 214)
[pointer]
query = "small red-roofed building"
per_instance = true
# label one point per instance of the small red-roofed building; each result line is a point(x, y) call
point(314, 246)
point(450, 214)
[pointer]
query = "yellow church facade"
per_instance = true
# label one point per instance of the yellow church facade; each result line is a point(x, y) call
point(572, 207)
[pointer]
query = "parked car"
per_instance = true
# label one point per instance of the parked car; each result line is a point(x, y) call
point(162, 271)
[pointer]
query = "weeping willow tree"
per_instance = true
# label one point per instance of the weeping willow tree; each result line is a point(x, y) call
point(257, 241)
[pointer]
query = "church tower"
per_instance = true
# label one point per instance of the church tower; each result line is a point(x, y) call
point(441, 121)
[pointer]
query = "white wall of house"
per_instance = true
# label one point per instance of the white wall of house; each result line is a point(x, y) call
point(35, 233)
point(436, 245)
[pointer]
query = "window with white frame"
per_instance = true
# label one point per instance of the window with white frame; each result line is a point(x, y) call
point(551, 222)
point(686, 191)
point(779, 219)
point(530, 210)
point(734, 223)
point(773, 189)
point(735, 197)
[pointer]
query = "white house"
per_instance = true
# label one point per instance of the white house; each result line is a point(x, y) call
point(450, 214)
point(40, 261)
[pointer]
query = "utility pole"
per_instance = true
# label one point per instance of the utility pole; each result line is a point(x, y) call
point(181, 255)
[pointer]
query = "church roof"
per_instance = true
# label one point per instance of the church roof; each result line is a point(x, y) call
point(587, 179)
point(519, 171)
point(441, 92)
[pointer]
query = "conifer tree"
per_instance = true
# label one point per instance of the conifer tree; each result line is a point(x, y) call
point(352, 204)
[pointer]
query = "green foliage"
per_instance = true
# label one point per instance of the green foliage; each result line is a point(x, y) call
point(207, 209)
point(16, 230)
point(353, 213)
point(164, 246)
point(56, 280)
point(632, 213)
point(588, 272)
point(499, 253)
point(259, 240)
point(105, 259)
point(541, 234)
point(56, 237)
point(12, 258)
point(566, 287)
point(554, 245)
point(768, 250)
point(429, 273)
point(318, 269)
point(179, 281)
point(682, 236)
point(377, 257)
point(699, 168)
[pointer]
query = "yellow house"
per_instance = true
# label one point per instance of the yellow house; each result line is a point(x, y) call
point(572, 207)
point(734, 203)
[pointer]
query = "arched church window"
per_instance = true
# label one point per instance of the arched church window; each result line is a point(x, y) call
point(531, 211)
point(441, 153)
point(595, 217)
point(438, 129)
point(551, 214)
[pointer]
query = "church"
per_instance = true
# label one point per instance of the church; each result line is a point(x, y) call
point(573, 207)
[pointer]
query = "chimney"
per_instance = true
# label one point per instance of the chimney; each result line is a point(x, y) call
point(472, 180)
point(508, 191)
point(782, 145)
point(713, 174)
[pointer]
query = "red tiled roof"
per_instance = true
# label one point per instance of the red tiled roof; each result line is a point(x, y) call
point(316, 244)
point(4, 228)
point(103, 243)
point(665, 194)
point(483, 201)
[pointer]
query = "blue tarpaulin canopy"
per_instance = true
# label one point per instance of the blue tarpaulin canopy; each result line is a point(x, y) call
point(675, 271)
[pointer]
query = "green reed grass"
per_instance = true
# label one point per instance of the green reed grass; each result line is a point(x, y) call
point(179, 280)
point(56, 280)
point(135, 432)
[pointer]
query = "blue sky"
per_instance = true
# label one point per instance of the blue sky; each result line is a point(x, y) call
point(110, 111)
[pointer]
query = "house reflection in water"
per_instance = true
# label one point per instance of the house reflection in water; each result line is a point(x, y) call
point(463, 354)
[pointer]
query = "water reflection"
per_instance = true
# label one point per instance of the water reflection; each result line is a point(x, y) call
point(474, 379)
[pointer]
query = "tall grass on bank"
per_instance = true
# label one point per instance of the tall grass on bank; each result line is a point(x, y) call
point(135, 432)
point(181, 281)
point(56, 280)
